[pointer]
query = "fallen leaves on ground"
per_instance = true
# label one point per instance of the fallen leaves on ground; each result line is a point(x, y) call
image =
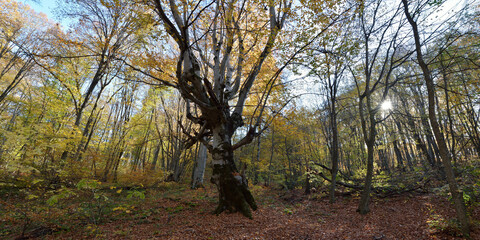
point(282, 215)
point(188, 216)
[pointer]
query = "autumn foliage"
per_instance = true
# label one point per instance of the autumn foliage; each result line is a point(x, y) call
point(113, 112)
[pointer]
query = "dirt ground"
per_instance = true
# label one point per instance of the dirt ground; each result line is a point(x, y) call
point(281, 215)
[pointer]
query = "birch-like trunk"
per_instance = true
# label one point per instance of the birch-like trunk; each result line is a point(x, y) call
point(232, 186)
point(199, 171)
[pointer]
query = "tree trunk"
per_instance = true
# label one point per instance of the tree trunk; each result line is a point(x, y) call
point(383, 158)
point(449, 114)
point(257, 162)
point(199, 170)
point(457, 194)
point(271, 155)
point(155, 156)
point(369, 139)
point(398, 154)
point(289, 181)
point(232, 187)
point(429, 142)
point(363, 206)
point(115, 169)
point(334, 153)
point(405, 144)
point(419, 144)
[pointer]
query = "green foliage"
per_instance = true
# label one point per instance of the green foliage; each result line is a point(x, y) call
point(471, 186)
point(88, 184)
point(64, 193)
point(440, 224)
point(137, 194)
point(176, 209)
point(288, 211)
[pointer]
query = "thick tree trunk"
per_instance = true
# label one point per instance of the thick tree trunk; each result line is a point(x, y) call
point(232, 186)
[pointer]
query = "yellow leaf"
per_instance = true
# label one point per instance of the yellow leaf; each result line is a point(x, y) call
point(119, 190)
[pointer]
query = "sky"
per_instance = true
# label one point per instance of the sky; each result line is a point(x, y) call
point(45, 6)
point(449, 6)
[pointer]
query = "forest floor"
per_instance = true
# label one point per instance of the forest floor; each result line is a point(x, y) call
point(176, 212)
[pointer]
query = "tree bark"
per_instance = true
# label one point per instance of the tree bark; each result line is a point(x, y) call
point(457, 194)
point(369, 138)
point(199, 170)
point(363, 206)
point(232, 187)
point(334, 153)
point(398, 154)
point(271, 155)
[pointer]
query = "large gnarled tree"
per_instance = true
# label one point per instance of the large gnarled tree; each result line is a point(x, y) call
point(221, 47)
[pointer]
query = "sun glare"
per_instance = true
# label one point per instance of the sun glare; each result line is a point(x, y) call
point(387, 105)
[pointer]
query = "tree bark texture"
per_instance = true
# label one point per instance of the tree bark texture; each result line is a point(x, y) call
point(199, 170)
point(232, 186)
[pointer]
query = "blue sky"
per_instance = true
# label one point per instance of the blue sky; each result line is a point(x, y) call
point(45, 6)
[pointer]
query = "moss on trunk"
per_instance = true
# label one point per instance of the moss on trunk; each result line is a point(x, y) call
point(233, 191)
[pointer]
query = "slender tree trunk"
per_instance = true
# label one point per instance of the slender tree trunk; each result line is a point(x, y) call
point(363, 206)
point(419, 144)
point(405, 144)
point(429, 142)
point(156, 153)
point(289, 177)
point(383, 157)
point(334, 149)
point(457, 193)
point(163, 159)
point(257, 162)
point(369, 138)
point(271, 155)
point(398, 154)
point(199, 170)
point(449, 113)
point(117, 163)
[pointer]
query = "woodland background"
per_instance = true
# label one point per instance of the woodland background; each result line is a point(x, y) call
point(91, 116)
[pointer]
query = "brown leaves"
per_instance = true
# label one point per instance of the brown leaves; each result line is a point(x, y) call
point(186, 214)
